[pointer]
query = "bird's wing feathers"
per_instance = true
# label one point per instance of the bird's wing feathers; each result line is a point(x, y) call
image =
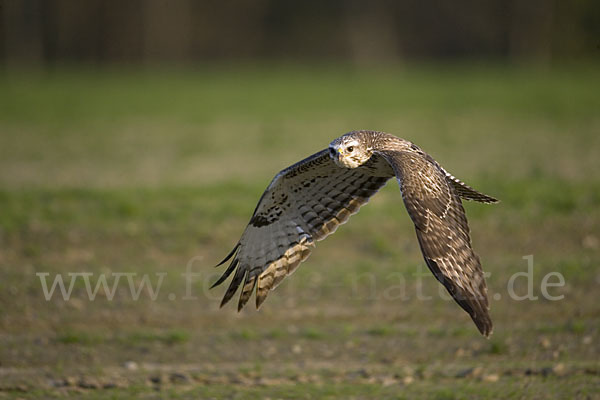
point(309, 200)
point(467, 192)
point(434, 205)
point(304, 203)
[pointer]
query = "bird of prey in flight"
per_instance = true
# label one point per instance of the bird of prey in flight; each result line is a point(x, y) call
point(307, 201)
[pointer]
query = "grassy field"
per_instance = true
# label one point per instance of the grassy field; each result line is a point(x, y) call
point(151, 173)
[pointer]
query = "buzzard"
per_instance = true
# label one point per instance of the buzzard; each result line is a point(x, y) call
point(307, 201)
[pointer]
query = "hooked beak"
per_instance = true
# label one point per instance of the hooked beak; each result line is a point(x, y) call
point(340, 154)
point(336, 153)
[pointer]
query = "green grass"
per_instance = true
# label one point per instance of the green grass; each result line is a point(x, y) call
point(121, 171)
point(506, 387)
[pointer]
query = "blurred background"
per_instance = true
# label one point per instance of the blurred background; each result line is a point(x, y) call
point(137, 136)
point(147, 32)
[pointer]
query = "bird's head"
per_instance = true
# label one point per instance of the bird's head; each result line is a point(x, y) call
point(350, 150)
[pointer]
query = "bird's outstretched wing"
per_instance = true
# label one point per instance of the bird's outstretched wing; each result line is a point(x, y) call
point(304, 203)
point(432, 198)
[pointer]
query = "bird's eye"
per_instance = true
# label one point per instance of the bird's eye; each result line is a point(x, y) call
point(350, 149)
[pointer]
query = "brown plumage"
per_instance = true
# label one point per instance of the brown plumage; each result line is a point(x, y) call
point(309, 200)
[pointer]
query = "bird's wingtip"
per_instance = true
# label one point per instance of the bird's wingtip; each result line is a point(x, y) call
point(228, 256)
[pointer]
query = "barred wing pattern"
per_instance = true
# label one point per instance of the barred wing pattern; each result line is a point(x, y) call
point(304, 203)
point(309, 200)
point(433, 202)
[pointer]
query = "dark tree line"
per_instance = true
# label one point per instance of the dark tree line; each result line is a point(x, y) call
point(148, 31)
